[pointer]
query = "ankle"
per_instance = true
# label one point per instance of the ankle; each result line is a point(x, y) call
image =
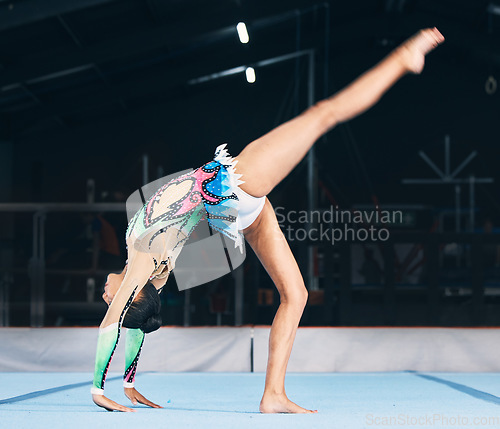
point(402, 56)
point(273, 393)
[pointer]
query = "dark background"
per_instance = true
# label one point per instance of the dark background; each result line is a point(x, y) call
point(87, 87)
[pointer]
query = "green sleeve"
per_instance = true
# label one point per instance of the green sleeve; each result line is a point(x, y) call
point(106, 345)
point(133, 346)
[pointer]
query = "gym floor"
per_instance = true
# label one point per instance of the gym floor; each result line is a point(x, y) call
point(231, 400)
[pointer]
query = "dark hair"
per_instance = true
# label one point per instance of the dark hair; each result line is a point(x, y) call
point(144, 311)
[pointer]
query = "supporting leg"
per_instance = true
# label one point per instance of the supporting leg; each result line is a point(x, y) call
point(270, 245)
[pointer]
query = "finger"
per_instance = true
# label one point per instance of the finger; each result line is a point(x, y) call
point(147, 402)
point(151, 404)
point(114, 406)
point(131, 398)
point(125, 409)
point(106, 298)
point(119, 407)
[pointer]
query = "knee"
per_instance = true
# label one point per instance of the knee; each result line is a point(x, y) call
point(324, 112)
point(297, 299)
point(304, 296)
point(301, 298)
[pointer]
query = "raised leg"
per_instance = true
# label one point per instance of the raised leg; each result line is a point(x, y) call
point(270, 245)
point(269, 159)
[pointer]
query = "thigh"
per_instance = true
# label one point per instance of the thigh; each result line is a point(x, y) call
point(268, 242)
point(268, 160)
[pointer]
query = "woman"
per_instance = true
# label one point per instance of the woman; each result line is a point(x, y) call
point(157, 232)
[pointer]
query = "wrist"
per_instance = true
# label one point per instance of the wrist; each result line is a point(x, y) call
point(128, 385)
point(97, 391)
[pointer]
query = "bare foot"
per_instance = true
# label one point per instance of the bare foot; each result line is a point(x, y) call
point(413, 51)
point(281, 404)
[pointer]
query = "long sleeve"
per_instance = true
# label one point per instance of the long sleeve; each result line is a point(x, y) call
point(139, 268)
point(133, 347)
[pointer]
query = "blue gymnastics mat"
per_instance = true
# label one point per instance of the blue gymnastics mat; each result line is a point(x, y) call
point(231, 400)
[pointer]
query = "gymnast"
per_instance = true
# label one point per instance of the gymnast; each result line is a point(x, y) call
point(235, 208)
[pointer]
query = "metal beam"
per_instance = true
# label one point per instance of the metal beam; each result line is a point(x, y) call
point(61, 207)
point(431, 164)
point(160, 37)
point(118, 48)
point(312, 283)
point(169, 75)
point(15, 14)
point(110, 50)
point(161, 81)
point(262, 63)
point(441, 182)
point(464, 163)
point(213, 27)
point(312, 175)
point(76, 40)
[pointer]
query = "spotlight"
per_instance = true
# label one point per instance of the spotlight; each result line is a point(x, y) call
point(250, 73)
point(242, 32)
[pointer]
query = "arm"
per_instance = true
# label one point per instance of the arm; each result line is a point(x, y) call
point(138, 271)
point(111, 290)
point(133, 347)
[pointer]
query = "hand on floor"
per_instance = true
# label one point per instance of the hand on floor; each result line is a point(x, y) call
point(135, 397)
point(109, 405)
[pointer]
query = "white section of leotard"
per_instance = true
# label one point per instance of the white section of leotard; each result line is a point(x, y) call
point(108, 328)
point(96, 391)
point(249, 207)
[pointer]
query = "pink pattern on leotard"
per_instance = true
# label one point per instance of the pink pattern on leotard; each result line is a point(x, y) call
point(197, 192)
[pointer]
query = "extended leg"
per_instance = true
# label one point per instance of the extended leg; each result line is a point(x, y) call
point(269, 159)
point(270, 245)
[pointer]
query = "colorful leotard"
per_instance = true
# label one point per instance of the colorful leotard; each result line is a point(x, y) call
point(155, 236)
point(207, 192)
